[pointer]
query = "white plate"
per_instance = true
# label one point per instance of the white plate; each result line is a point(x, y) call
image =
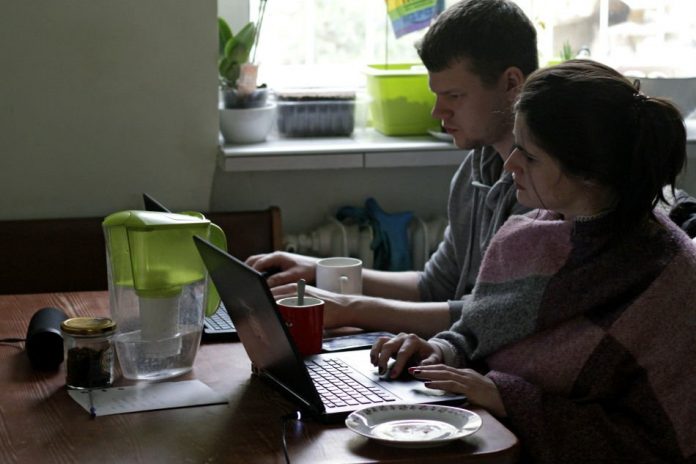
point(413, 426)
point(440, 135)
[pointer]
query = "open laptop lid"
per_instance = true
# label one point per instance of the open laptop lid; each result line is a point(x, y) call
point(153, 205)
point(261, 330)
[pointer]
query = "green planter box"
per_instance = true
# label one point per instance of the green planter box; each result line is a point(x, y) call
point(400, 99)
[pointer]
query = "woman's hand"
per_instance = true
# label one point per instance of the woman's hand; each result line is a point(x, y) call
point(291, 267)
point(405, 348)
point(479, 389)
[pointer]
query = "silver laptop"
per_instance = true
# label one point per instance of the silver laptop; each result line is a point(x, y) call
point(327, 385)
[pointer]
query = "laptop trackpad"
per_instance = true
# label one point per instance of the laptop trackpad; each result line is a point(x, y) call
point(406, 388)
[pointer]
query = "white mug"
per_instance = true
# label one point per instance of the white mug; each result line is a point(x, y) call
point(340, 275)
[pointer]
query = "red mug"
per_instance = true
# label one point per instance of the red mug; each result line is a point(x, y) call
point(305, 322)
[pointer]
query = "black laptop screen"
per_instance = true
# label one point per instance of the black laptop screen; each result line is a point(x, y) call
point(251, 307)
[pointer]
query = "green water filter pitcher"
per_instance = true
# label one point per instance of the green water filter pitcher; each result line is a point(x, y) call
point(159, 290)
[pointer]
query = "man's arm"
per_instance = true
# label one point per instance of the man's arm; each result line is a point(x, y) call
point(394, 285)
point(391, 300)
point(376, 314)
point(371, 313)
point(292, 267)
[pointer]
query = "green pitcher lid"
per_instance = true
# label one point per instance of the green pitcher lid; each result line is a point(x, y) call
point(145, 220)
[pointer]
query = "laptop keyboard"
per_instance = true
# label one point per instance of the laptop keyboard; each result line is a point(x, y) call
point(337, 388)
point(219, 322)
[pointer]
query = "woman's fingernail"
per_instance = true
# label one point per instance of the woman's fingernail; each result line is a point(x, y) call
point(427, 383)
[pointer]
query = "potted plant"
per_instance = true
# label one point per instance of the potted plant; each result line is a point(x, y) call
point(236, 73)
point(246, 116)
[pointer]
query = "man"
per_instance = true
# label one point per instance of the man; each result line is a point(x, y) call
point(478, 54)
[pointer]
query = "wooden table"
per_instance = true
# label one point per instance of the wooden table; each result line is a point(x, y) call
point(39, 422)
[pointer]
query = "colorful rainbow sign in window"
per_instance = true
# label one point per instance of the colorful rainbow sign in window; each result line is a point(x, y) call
point(411, 15)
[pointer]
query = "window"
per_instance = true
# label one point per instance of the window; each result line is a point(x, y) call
point(644, 37)
point(327, 43)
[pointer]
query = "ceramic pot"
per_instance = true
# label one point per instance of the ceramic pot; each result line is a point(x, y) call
point(247, 125)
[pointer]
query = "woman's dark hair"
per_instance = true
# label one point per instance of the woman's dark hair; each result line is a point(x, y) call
point(601, 128)
point(492, 35)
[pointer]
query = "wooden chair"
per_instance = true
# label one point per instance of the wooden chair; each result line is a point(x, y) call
point(250, 232)
point(62, 255)
point(50, 255)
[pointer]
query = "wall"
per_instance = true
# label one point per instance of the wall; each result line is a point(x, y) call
point(102, 100)
point(235, 12)
point(306, 198)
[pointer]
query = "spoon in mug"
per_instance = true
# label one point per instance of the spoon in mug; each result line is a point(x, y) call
point(300, 292)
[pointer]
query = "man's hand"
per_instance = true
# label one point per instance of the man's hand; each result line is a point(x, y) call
point(337, 311)
point(292, 267)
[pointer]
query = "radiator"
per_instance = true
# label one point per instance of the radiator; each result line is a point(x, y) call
point(334, 238)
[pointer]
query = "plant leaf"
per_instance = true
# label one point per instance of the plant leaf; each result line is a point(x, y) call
point(239, 53)
point(247, 34)
point(224, 34)
point(223, 66)
point(567, 51)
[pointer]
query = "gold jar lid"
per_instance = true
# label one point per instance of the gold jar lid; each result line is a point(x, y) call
point(88, 326)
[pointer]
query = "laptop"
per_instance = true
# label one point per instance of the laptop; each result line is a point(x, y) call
point(327, 385)
point(219, 326)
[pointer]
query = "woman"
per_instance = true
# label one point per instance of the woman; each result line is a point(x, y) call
point(583, 316)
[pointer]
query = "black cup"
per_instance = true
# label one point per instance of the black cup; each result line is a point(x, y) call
point(44, 344)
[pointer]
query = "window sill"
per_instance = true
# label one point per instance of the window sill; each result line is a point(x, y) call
point(365, 148)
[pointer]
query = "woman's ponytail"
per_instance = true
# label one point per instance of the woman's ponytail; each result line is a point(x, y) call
point(658, 156)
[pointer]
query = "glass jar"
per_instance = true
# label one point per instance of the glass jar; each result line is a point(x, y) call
point(89, 351)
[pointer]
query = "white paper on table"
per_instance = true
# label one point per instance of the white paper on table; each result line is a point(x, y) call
point(147, 397)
